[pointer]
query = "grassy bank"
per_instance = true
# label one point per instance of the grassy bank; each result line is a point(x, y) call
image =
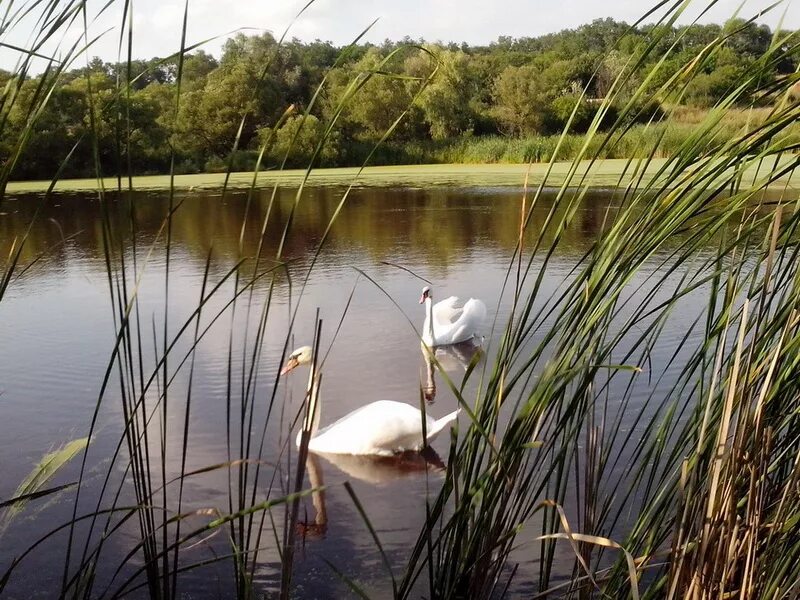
point(605, 173)
point(661, 139)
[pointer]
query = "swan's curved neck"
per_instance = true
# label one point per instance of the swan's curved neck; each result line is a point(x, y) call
point(429, 317)
point(311, 421)
point(316, 402)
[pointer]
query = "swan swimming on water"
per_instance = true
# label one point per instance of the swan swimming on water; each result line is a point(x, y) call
point(446, 323)
point(379, 428)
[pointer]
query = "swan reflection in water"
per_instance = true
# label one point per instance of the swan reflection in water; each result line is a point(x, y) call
point(317, 527)
point(382, 469)
point(375, 470)
point(454, 358)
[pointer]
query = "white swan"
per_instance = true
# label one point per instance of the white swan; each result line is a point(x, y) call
point(446, 323)
point(381, 428)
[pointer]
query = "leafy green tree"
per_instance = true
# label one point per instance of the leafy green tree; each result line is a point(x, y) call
point(381, 99)
point(209, 118)
point(446, 102)
point(144, 72)
point(612, 69)
point(196, 68)
point(719, 77)
point(57, 127)
point(297, 141)
point(695, 37)
point(234, 100)
point(519, 98)
point(147, 139)
point(748, 39)
point(561, 110)
point(63, 123)
point(705, 89)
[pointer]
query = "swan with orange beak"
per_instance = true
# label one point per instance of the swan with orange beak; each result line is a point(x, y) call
point(380, 428)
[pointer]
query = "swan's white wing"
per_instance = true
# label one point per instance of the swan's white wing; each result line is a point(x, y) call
point(382, 427)
point(453, 324)
point(447, 312)
point(469, 323)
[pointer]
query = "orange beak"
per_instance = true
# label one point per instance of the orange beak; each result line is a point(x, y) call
point(290, 364)
point(422, 298)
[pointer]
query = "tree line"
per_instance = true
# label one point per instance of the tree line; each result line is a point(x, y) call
point(147, 116)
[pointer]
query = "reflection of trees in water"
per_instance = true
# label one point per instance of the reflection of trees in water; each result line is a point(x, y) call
point(441, 223)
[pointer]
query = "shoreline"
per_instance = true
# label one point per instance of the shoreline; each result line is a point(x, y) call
point(604, 174)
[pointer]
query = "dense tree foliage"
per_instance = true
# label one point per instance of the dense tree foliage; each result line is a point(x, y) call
point(280, 99)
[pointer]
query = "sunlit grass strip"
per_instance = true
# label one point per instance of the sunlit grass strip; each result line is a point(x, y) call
point(604, 173)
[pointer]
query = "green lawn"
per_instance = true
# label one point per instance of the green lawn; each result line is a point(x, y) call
point(603, 174)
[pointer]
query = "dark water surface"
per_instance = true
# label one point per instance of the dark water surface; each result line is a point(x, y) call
point(57, 333)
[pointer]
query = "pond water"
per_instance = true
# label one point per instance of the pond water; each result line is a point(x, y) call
point(57, 334)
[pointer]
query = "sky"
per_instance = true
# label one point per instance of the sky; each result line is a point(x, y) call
point(157, 23)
